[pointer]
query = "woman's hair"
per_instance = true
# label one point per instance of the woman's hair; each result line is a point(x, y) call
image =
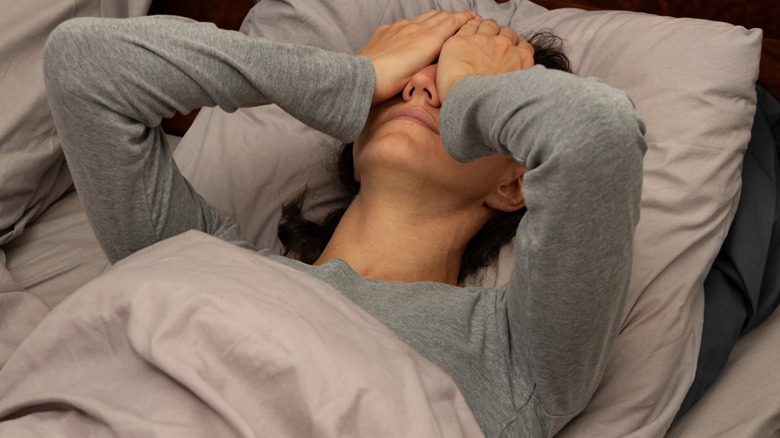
point(305, 239)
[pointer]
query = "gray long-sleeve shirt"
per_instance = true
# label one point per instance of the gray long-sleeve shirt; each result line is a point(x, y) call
point(527, 356)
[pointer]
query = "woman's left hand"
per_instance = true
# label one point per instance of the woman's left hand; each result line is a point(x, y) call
point(481, 48)
point(401, 49)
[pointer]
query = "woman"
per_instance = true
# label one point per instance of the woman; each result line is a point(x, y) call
point(306, 239)
point(480, 132)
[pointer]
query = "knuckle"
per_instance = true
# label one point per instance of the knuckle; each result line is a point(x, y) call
point(422, 31)
point(525, 45)
point(451, 20)
point(481, 39)
point(526, 57)
point(504, 42)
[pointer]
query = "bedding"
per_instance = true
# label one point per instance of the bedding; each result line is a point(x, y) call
point(742, 291)
point(635, 397)
point(743, 287)
point(57, 253)
point(33, 173)
point(761, 14)
point(198, 337)
point(744, 401)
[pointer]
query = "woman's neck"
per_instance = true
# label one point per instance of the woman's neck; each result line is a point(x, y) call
point(384, 240)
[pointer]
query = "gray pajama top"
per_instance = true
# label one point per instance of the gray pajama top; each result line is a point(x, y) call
point(527, 356)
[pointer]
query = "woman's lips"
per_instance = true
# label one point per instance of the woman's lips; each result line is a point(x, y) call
point(415, 115)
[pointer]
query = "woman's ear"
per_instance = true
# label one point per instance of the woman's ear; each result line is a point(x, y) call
point(508, 196)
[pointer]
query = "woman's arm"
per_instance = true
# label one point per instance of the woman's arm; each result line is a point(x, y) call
point(110, 82)
point(583, 144)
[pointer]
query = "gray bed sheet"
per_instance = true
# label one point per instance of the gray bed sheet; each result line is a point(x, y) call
point(57, 254)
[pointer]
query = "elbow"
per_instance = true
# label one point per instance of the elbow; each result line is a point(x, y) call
point(619, 122)
point(612, 136)
point(611, 144)
point(72, 58)
point(60, 56)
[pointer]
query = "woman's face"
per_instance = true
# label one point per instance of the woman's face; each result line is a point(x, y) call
point(400, 148)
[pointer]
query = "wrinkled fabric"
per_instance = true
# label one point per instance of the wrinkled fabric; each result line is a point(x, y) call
point(197, 337)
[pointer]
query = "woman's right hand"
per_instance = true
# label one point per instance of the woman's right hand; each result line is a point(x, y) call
point(401, 49)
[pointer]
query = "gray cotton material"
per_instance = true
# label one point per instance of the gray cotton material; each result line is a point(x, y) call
point(527, 356)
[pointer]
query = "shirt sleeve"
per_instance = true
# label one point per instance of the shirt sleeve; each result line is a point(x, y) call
point(110, 82)
point(583, 144)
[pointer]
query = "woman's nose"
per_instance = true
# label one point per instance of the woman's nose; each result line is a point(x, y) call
point(422, 86)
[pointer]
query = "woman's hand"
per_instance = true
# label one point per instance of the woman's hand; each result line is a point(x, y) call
point(401, 49)
point(481, 48)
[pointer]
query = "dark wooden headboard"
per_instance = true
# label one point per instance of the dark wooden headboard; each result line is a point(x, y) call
point(227, 14)
point(764, 14)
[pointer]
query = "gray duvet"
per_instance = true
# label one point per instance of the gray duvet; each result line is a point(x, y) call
point(197, 337)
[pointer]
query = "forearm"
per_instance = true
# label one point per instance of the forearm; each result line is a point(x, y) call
point(110, 82)
point(147, 68)
point(583, 145)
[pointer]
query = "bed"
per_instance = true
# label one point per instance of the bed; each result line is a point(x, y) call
point(156, 344)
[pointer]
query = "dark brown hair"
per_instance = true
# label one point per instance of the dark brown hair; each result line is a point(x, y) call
point(305, 239)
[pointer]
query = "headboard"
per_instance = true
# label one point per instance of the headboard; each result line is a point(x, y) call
point(764, 14)
point(227, 14)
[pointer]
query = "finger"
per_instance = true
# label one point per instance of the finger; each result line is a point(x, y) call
point(469, 14)
point(488, 27)
point(509, 33)
point(471, 27)
point(461, 15)
point(449, 22)
point(424, 16)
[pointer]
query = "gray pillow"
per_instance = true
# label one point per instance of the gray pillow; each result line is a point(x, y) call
point(33, 173)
